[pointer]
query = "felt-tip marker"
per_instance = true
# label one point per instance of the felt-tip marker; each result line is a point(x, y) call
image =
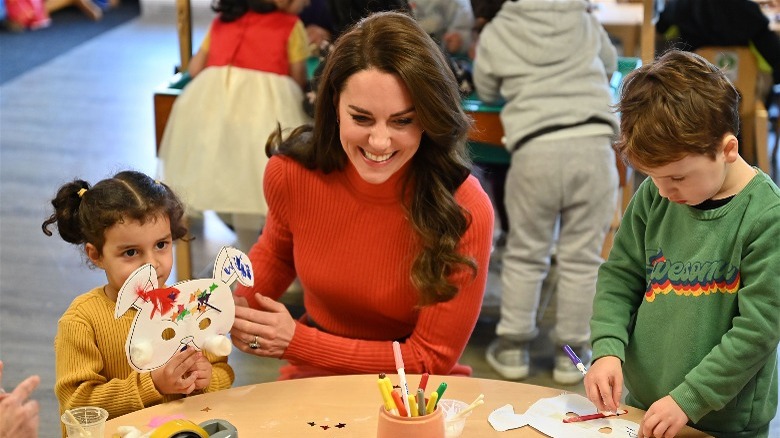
point(399, 365)
point(402, 411)
point(386, 397)
point(423, 381)
point(574, 359)
point(420, 402)
point(440, 393)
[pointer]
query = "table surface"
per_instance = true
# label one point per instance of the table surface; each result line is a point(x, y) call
point(344, 406)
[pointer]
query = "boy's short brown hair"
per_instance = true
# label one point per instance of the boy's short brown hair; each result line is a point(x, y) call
point(678, 105)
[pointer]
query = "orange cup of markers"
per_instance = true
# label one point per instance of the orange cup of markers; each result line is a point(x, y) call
point(393, 426)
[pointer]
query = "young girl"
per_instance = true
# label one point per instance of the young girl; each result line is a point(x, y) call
point(123, 222)
point(248, 78)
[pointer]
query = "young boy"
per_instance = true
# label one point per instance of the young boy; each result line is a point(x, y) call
point(686, 308)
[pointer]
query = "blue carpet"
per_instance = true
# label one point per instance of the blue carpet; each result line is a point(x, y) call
point(20, 52)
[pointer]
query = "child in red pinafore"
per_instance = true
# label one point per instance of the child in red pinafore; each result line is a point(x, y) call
point(247, 80)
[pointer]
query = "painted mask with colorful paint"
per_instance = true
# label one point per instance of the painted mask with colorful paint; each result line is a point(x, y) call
point(193, 313)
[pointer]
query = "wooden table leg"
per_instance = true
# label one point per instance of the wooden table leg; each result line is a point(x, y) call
point(183, 257)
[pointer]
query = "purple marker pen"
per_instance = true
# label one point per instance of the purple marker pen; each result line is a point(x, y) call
point(574, 359)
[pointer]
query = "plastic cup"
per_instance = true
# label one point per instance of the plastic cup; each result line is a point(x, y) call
point(90, 422)
point(393, 426)
point(450, 407)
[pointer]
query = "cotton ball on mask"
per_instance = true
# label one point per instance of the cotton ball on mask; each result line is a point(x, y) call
point(218, 345)
point(141, 353)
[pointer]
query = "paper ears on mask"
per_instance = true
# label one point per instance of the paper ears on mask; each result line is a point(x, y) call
point(232, 265)
point(143, 279)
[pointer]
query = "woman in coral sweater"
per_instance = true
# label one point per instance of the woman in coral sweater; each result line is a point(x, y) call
point(374, 209)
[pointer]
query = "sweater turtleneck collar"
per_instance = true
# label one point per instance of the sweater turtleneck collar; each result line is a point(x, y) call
point(388, 191)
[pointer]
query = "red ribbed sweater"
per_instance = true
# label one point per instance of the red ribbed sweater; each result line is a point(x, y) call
point(351, 245)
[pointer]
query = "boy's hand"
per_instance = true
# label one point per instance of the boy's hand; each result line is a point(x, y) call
point(663, 420)
point(174, 377)
point(202, 369)
point(604, 383)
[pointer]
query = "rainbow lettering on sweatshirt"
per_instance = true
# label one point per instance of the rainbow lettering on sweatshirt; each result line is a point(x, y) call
point(690, 278)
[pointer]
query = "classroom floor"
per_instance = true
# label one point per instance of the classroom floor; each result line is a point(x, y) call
point(88, 113)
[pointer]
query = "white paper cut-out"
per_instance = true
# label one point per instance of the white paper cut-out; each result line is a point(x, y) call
point(547, 414)
point(193, 313)
point(504, 418)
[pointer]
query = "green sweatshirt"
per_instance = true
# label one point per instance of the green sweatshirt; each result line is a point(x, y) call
point(689, 300)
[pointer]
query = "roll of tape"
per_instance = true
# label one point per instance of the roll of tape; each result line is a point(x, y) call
point(179, 428)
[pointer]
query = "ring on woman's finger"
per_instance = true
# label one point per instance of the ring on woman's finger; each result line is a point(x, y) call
point(254, 345)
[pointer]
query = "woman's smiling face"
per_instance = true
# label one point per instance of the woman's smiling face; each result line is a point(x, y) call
point(378, 125)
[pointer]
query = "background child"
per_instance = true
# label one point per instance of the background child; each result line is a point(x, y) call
point(691, 24)
point(686, 307)
point(449, 22)
point(345, 13)
point(484, 11)
point(25, 14)
point(124, 222)
point(318, 22)
point(551, 61)
point(249, 74)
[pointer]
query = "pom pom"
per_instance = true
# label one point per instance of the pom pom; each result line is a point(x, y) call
point(129, 432)
point(218, 345)
point(141, 353)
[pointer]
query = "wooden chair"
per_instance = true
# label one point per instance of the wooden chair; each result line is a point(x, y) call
point(741, 67)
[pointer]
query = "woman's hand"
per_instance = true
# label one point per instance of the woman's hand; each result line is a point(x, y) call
point(269, 328)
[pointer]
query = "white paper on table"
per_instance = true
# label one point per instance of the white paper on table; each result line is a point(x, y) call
point(547, 414)
point(504, 418)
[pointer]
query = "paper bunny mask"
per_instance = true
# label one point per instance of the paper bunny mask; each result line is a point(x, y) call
point(193, 313)
point(547, 414)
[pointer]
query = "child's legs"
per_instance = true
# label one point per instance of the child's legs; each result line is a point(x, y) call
point(590, 195)
point(247, 228)
point(532, 199)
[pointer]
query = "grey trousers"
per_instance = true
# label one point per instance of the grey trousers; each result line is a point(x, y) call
point(569, 185)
